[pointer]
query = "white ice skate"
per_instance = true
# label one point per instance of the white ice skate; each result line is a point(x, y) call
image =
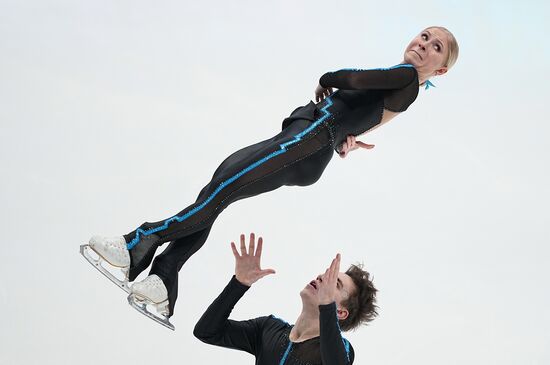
point(111, 250)
point(151, 291)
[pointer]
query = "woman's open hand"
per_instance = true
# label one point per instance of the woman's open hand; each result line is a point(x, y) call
point(322, 92)
point(247, 264)
point(351, 144)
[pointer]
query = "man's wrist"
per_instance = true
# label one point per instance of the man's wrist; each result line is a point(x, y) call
point(326, 301)
point(242, 281)
point(328, 306)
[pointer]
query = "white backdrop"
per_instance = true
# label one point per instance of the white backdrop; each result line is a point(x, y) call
point(117, 112)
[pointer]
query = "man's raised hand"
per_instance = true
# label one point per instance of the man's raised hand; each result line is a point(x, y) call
point(327, 283)
point(247, 263)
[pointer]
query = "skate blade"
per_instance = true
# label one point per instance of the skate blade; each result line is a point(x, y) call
point(141, 306)
point(122, 284)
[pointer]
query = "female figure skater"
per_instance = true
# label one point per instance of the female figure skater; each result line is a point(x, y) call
point(297, 155)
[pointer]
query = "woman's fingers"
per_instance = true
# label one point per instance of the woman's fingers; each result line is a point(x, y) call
point(322, 93)
point(353, 146)
point(350, 141)
point(365, 145)
point(344, 149)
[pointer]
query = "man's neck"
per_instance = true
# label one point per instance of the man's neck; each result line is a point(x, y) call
point(306, 326)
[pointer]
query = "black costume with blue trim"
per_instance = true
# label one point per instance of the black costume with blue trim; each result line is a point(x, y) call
point(267, 338)
point(297, 155)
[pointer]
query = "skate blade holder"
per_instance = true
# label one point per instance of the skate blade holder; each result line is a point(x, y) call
point(141, 306)
point(89, 253)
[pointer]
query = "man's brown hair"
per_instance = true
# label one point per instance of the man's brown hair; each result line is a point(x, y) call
point(361, 304)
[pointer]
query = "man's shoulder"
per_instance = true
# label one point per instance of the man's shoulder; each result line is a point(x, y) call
point(276, 321)
point(270, 321)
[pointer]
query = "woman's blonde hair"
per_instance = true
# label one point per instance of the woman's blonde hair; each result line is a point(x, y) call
point(452, 49)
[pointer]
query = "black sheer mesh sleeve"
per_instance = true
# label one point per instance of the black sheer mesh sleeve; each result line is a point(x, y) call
point(215, 328)
point(396, 77)
point(335, 349)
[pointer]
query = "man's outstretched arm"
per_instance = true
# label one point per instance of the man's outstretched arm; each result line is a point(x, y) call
point(215, 327)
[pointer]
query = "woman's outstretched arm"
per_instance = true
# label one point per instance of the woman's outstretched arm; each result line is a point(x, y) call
point(357, 79)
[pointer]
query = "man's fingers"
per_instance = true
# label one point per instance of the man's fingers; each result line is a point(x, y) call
point(259, 247)
point(326, 276)
point(332, 268)
point(265, 273)
point(243, 245)
point(234, 249)
point(337, 266)
point(251, 244)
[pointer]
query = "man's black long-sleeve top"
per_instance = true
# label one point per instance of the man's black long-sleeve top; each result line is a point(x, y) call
point(267, 338)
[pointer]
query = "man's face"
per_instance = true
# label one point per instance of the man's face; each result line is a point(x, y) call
point(344, 288)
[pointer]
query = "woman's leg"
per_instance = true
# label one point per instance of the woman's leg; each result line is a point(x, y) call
point(167, 265)
point(293, 157)
point(303, 171)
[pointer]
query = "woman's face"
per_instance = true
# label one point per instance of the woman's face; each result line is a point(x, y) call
point(427, 52)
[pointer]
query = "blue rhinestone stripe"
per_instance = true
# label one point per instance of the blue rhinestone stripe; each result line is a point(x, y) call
point(283, 148)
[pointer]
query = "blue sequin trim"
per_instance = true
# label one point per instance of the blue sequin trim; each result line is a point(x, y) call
point(283, 359)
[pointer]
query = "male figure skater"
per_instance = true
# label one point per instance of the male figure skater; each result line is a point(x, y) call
point(332, 301)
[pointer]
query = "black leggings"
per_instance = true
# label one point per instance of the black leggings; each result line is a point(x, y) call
point(296, 156)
